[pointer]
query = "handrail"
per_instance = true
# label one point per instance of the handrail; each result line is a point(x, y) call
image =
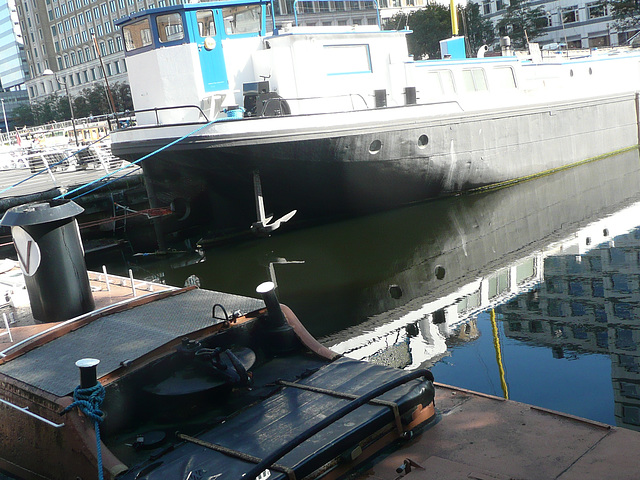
point(176, 107)
point(295, 10)
point(25, 410)
point(324, 423)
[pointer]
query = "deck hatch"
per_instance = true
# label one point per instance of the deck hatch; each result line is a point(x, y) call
point(119, 337)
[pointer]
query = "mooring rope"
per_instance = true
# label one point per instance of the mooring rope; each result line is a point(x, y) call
point(53, 165)
point(170, 144)
point(88, 401)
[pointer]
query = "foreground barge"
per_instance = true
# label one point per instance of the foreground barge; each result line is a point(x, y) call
point(190, 390)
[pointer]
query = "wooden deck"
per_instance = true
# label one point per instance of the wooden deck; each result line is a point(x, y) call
point(488, 438)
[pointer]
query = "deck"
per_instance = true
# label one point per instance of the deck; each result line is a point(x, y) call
point(488, 438)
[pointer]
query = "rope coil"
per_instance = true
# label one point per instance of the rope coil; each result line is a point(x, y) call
point(88, 401)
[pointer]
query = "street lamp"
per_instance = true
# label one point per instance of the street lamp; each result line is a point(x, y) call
point(73, 122)
point(6, 125)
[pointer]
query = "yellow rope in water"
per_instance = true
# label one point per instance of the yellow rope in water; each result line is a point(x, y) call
point(496, 344)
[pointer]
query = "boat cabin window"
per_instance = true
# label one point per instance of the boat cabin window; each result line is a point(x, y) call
point(438, 83)
point(137, 35)
point(206, 26)
point(474, 80)
point(169, 27)
point(242, 19)
point(503, 78)
point(347, 59)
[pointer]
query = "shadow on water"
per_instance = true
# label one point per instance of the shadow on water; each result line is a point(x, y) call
point(492, 290)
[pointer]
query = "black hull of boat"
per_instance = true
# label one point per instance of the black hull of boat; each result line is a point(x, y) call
point(208, 177)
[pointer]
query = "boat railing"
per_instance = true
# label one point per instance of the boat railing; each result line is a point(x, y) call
point(31, 414)
point(349, 96)
point(155, 110)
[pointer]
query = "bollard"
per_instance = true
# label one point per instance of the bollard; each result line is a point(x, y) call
point(280, 336)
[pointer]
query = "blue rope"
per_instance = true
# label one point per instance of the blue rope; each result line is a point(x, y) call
point(53, 165)
point(132, 163)
point(89, 400)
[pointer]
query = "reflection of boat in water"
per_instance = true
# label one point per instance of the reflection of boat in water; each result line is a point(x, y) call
point(342, 120)
point(190, 381)
point(382, 272)
point(493, 261)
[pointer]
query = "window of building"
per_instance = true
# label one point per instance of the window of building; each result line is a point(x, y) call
point(66, 61)
point(99, 30)
point(112, 6)
point(67, 26)
point(96, 13)
point(111, 45)
point(109, 69)
point(80, 56)
point(54, 31)
point(63, 44)
point(486, 7)
point(86, 77)
point(107, 27)
point(74, 60)
point(70, 6)
point(119, 43)
point(570, 14)
point(105, 11)
point(596, 10)
point(121, 4)
point(57, 12)
point(103, 49)
point(56, 46)
point(81, 19)
point(63, 8)
point(116, 64)
point(69, 41)
point(74, 22)
point(50, 13)
point(84, 36)
point(77, 37)
point(87, 53)
point(59, 60)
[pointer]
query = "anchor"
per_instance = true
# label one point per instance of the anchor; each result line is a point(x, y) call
point(262, 226)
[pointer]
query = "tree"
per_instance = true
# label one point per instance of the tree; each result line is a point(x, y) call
point(433, 23)
point(625, 13)
point(23, 115)
point(522, 23)
point(429, 25)
point(478, 31)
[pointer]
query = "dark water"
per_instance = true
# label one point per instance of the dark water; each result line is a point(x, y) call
point(530, 291)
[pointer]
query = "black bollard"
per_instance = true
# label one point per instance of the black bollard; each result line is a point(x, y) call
point(279, 334)
point(88, 372)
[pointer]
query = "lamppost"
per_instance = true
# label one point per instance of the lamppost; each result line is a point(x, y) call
point(73, 121)
point(6, 125)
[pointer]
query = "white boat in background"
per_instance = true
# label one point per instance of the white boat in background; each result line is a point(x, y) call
point(232, 115)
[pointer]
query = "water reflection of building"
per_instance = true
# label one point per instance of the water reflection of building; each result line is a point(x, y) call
point(589, 302)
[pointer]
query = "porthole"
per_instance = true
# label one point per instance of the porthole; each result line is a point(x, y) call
point(423, 141)
point(375, 146)
point(395, 291)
